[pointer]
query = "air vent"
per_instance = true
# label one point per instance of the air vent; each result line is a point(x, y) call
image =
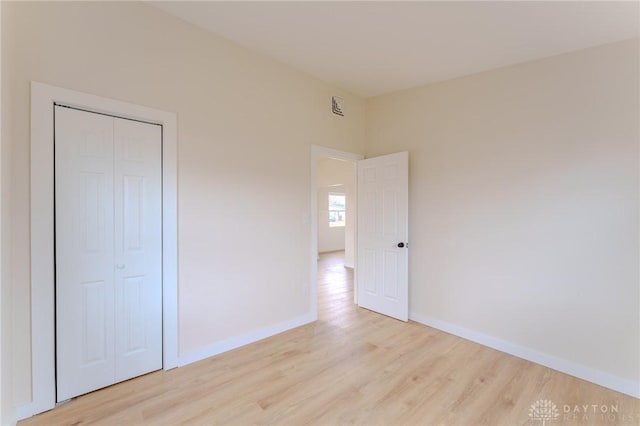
point(337, 105)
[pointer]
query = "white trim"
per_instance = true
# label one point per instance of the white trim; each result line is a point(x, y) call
point(242, 340)
point(4, 393)
point(598, 377)
point(42, 244)
point(318, 152)
point(22, 412)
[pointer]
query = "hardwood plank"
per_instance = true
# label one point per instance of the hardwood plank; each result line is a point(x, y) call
point(352, 366)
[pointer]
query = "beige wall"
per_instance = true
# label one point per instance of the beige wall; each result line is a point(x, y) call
point(524, 203)
point(245, 127)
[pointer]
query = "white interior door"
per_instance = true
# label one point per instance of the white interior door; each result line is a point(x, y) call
point(108, 250)
point(383, 206)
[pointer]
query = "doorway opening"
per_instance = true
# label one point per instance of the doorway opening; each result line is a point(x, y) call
point(336, 189)
point(333, 221)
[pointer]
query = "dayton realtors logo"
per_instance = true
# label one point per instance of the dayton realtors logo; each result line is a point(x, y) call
point(544, 410)
point(609, 413)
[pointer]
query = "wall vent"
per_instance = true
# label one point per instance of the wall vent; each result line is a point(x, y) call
point(337, 105)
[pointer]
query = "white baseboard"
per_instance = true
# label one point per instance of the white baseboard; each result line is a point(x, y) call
point(328, 251)
point(242, 340)
point(23, 412)
point(598, 377)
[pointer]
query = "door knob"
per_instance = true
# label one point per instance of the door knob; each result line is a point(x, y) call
point(400, 245)
point(120, 266)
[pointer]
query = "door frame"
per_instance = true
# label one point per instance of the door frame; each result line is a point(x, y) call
point(318, 152)
point(43, 97)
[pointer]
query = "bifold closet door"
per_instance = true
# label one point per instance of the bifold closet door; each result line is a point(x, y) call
point(108, 250)
point(138, 248)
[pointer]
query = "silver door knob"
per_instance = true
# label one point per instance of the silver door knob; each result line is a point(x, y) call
point(120, 266)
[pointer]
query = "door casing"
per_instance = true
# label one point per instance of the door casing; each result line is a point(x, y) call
point(43, 98)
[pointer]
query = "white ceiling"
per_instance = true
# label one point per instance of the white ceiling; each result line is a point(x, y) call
point(370, 48)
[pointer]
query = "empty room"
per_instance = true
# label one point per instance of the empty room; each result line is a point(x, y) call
point(320, 213)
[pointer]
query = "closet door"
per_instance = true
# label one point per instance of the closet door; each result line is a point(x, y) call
point(85, 359)
point(138, 248)
point(108, 182)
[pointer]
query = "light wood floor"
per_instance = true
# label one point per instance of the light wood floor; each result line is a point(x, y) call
point(350, 367)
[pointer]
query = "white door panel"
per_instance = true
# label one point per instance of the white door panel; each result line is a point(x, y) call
point(84, 233)
point(108, 250)
point(138, 248)
point(383, 224)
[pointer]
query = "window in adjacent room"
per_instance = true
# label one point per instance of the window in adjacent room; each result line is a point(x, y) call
point(337, 212)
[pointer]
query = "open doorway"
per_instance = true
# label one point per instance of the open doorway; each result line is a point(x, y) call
point(380, 273)
point(333, 221)
point(336, 189)
point(336, 182)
